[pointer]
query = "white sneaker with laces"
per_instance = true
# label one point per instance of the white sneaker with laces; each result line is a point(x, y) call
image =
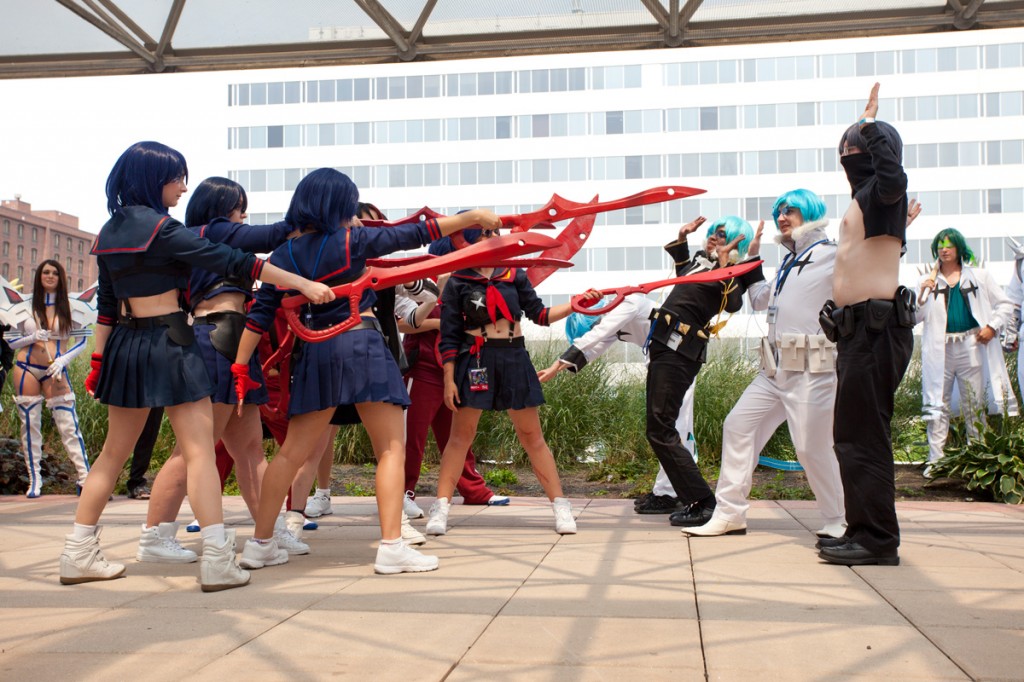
point(219, 569)
point(286, 539)
point(318, 505)
point(159, 545)
point(437, 524)
point(400, 558)
point(410, 535)
point(412, 510)
point(82, 561)
point(257, 555)
point(565, 524)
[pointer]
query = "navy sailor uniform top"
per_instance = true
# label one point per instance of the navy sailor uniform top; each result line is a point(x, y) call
point(464, 304)
point(204, 284)
point(333, 258)
point(141, 252)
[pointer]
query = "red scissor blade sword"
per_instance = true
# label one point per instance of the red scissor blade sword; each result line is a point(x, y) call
point(414, 217)
point(480, 254)
point(570, 241)
point(540, 262)
point(560, 208)
point(581, 305)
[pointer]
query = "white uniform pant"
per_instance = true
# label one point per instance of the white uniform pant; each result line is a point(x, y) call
point(684, 425)
point(806, 401)
point(963, 364)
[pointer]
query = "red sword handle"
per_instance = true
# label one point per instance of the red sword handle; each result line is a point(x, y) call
point(586, 305)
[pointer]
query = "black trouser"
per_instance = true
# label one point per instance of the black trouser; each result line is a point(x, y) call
point(669, 376)
point(144, 449)
point(869, 366)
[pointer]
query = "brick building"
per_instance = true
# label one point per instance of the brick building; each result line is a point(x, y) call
point(28, 237)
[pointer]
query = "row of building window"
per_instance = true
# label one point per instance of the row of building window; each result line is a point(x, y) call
point(651, 166)
point(640, 121)
point(847, 65)
point(5, 272)
point(5, 250)
point(923, 60)
point(70, 242)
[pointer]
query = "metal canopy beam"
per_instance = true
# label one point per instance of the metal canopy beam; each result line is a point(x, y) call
point(405, 46)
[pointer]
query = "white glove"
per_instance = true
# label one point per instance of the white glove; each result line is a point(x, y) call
point(29, 339)
point(421, 291)
point(41, 335)
point(57, 366)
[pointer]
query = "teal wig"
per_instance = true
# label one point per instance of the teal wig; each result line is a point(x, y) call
point(809, 204)
point(963, 252)
point(734, 227)
point(578, 324)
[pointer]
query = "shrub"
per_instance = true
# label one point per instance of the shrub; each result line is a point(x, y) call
point(990, 461)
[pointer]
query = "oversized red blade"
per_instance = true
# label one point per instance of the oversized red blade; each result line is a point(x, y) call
point(570, 241)
point(414, 217)
point(481, 254)
point(559, 208)
point(585, 306)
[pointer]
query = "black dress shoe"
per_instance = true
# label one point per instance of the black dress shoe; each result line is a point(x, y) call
point(659, 504)
point(695, 515)
point(830, 542)
point(853, 554)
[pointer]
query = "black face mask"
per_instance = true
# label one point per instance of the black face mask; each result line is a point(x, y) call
point(858, 169)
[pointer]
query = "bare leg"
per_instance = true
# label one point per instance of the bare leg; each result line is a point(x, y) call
point(384, 424)
point(312, 467)
point(304, 433)
point(243, 437)
point(193, 429)
point(527, 425)
point(124, 427)
point(168, 490)
point(464, 423)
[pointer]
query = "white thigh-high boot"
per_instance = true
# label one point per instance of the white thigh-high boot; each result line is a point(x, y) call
point(62, 409)
point(30, 416)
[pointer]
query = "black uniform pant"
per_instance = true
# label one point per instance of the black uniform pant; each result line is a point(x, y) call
point(669, 376)
point(869, 367)
point(143, 452)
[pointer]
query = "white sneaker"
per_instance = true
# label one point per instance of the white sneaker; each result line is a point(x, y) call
point(832, 530)
point(82, 561)
point(400, 558)
point(295, 522)
point(318, 505)
point(412, 510)
point(565, 524)
point(410, 535)
point(717, 526)
point(219, 569)
point(159, 545)
point(437, 524)
point(256, 555)
point(286, 539)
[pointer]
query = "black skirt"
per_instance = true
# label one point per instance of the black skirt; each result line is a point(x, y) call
point(512, 382)
point(145, 368)
point(218, 368)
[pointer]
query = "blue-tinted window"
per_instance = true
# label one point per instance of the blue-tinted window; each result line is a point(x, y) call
point(414, 87)
point(503, 127)
point(275, 93)
point(539, 80)
point(361, 89)
point(327, 91)
point(343, 88)
point(709, 118)
point(292, 92)
point(258, 93)
point(613, 123)
point(432, 86)
point(396, 87)
point(503, 82)
point(467, 84)
point(541, 126)
point(485, 83)
point(243, 95)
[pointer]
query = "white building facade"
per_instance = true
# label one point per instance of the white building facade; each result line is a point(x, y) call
point(746, 123)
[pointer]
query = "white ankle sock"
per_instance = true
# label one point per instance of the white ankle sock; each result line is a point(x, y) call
point(396, 541)
point(81, 532)
point(323, 492)
point(214, 533)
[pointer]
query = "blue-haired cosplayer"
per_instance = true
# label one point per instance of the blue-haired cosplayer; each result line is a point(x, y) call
point(810, 205)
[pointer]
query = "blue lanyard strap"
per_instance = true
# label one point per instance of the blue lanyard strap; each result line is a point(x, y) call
point(783, 272)
point(316, 263)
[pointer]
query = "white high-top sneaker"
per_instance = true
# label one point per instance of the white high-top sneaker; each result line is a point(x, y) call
point(219, 569)
point(410, 535)
point(285, 538)
point(412, 510)
point(82, 561)
point(565, 524)
point(159, 544)
point(256, 555)
point(318, 505)
point(437, 524)
point(295, 522)
point(401, 558)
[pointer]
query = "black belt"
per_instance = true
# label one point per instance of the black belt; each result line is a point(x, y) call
point(168, 320)
point(515, 342)
point(212, 318)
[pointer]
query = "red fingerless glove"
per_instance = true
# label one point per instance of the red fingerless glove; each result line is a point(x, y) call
point(243, 383)
point(93, 380)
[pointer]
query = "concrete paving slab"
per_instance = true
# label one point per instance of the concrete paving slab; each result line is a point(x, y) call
point(473, 672)
point(989, 654)
point(102, 667)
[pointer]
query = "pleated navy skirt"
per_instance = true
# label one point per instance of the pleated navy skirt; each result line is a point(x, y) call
point(145, 368)
point(218, 368)
point(353, 367)
point(511, 378)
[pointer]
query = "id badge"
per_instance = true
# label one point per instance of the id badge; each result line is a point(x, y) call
point(674, 339)
point(773, 312)
point(478, 379)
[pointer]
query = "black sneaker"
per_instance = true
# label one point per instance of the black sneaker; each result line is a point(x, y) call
point(642, 499)
point(658, 504)
point(139, 493)
point(694, 515)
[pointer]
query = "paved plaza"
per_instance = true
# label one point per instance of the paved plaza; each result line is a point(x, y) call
point(628, 598)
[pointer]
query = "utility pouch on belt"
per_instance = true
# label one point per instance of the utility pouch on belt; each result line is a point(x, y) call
point(906, 306)
point(821, 354)
point(688, 340)
point(792, 352)
point(877, 313)
point(227, 331)
point(828, 325)
point(768, 364)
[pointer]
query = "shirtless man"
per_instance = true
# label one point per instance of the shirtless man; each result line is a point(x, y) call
point(871, 321)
